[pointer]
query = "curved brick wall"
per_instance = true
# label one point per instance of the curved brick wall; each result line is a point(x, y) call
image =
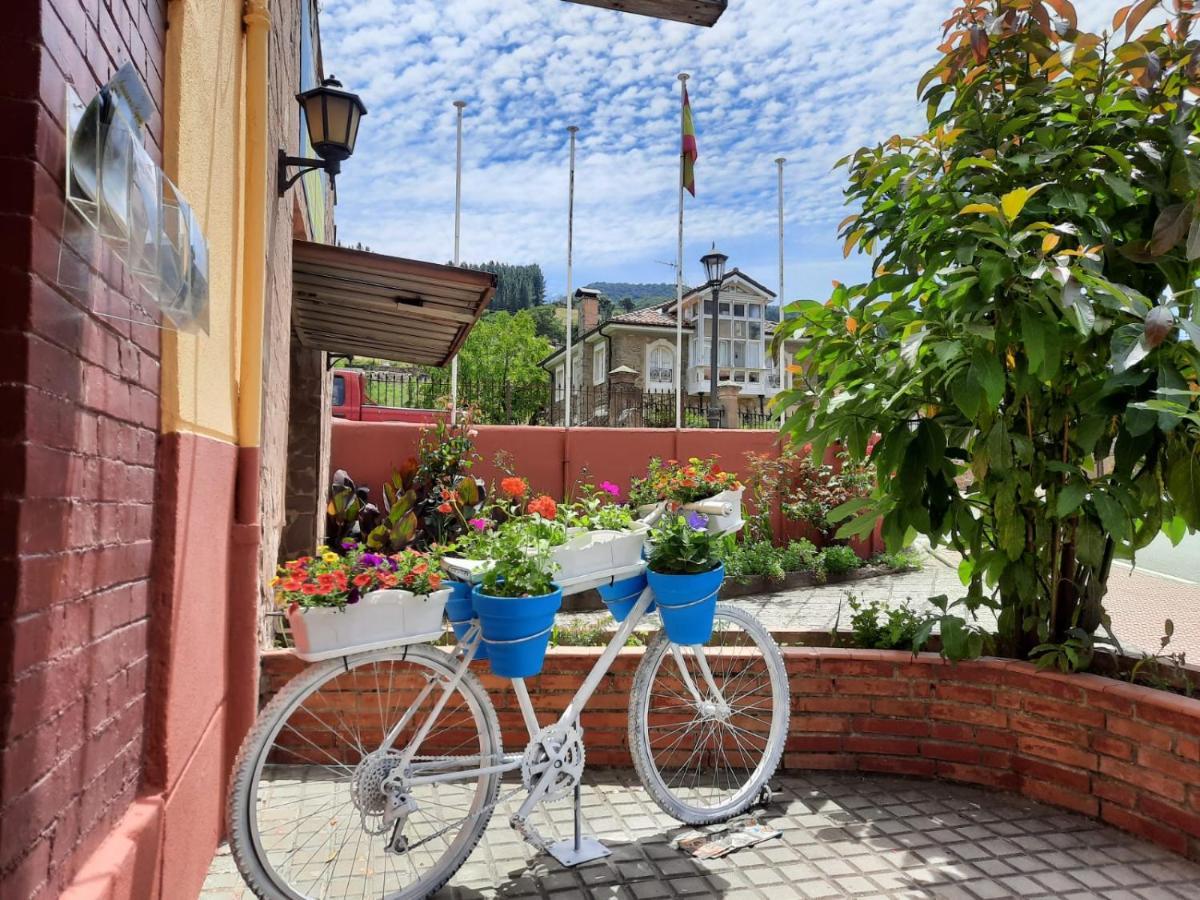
point(1125, 754)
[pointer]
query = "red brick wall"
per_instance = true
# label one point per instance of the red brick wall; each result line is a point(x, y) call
point(1128, 755)
point(78, 444)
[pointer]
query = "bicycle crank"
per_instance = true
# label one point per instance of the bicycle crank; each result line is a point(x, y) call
point(557, 750)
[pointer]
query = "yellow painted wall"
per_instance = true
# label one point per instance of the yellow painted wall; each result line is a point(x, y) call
point(203, 154)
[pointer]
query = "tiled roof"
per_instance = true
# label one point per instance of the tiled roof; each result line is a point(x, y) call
point(643, 317)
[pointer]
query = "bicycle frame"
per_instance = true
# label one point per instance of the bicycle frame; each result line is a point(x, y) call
point(568, 719)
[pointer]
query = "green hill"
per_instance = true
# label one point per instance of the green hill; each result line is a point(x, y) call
point(641, 294)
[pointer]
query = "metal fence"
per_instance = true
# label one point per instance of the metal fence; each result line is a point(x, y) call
point(500, 402)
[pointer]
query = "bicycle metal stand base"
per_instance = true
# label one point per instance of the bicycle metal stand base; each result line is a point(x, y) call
point(581, 848)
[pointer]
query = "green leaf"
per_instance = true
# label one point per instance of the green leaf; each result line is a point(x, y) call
point(1070, 498)
point(1175, 529)
point(990, 375)
point(967, 392)
point(1033, 337)
point(1122, 188)
point(1183, 481)
point(1112, 516)
point(992, 272)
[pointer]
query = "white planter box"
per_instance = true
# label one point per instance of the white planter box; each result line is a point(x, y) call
point(468, 570)
point(591, 552)
point(379, 619)
point(721, 523)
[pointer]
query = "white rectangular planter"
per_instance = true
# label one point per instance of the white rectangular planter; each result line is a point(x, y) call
point(468, 570)
point(380, 619)
point(721, 523)
point(592, 552)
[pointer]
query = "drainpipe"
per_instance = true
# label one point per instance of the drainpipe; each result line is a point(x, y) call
point(243, 603)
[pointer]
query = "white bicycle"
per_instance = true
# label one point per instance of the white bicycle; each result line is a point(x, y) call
point(375, 774)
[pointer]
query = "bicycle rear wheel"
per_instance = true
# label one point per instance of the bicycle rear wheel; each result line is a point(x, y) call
point(706, 756)
point(306, 810)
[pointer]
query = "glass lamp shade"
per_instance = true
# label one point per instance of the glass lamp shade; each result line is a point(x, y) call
point(332, 116)
point(714, 265)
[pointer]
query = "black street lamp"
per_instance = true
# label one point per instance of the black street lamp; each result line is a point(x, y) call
point(332, 116)
point(714, 266)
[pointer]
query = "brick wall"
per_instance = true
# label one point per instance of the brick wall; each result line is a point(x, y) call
point(78, 439)
point(1128, 755)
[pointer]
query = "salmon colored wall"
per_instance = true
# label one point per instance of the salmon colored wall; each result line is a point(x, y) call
point(550, 458)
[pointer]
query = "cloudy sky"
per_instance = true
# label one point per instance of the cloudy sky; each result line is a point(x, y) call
point(806, 79)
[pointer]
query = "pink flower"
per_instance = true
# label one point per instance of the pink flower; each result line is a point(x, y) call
point(479, 524)
point(611, 489)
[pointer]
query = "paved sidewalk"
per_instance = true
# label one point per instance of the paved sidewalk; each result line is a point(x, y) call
point(843, 836)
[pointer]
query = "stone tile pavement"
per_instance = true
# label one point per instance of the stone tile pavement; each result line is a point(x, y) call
point(843, 836)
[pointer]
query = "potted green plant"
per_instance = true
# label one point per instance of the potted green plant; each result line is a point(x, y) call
point(359, 600)
point(517, 599)
point(685, 571)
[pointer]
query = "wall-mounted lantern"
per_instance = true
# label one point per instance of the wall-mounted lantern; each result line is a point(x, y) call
point(332, 116)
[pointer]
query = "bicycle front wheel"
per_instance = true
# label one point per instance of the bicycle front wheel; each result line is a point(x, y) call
point(705, 743)
point(307, 804)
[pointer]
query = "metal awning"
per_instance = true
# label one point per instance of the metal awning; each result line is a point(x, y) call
point(355, 303)
point(694, 12)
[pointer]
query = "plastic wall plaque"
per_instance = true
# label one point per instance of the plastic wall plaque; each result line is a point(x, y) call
point(126, 202)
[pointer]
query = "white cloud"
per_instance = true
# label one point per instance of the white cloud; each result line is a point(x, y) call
point(807, 80)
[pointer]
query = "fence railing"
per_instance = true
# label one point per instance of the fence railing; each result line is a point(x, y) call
point(502, 402)
point(499, 401)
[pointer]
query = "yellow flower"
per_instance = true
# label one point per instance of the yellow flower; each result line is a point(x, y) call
point(275, 581)
point(329, 557)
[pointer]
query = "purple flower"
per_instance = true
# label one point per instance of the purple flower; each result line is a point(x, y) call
point(479, 524)
point(353, 596)
point(697, 521)
point(371, 559)
point(349, 545)
point(611, 489)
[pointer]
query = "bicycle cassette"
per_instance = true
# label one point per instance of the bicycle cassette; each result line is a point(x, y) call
point(566, 749)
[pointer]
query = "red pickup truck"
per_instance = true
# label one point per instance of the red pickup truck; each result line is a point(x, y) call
point(350, 402)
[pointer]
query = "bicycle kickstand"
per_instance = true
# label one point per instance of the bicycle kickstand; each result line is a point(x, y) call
point(581, 848)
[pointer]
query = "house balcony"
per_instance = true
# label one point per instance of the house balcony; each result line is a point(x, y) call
point(754, 382)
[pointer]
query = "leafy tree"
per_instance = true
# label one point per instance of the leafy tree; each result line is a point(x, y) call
point(627, 304)
point(1027, 346)
point(548, 324)
point(498, 367)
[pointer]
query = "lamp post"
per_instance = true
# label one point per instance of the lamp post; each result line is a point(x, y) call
point(714, 267)
point(332, 116)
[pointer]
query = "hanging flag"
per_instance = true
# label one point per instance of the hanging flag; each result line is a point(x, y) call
point(690, 152)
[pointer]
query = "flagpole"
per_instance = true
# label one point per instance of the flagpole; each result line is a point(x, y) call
point(459, 105)
point(573, 130)
point(782, 356)
point(683, 79)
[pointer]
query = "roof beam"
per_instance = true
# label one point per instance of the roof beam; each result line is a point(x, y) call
point(693, 12)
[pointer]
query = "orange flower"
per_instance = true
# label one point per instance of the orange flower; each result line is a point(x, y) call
point(435, 581)
point(420, 568)
point(445, 508)
point(362, 580)
point(387, 579)
point(544, 506)
point(514, 486)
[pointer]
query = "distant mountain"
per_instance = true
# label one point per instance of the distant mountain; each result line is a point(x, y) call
point(641, 294)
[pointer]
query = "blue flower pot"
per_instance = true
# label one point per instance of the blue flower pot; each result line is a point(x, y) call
point(687, 604)
point(621, 596)
point(516, 631)
point(460, 611)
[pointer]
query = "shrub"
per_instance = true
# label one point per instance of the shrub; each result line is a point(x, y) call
point(1030, 313)
point(839, 559)
point(801, 556)
point(751, 559)
point(875, 625)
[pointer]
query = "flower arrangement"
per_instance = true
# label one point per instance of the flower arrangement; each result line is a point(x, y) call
point(331, 580)
point(695, 479)
point(598, 509)
point(683, 545)
point(522, 565)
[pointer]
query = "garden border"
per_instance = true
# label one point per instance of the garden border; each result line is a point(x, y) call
point(1126, 754)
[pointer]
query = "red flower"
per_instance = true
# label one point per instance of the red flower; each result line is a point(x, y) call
point(445, 509)
point(544, 506)
point(362, 580)
point(310, 589)
point(514, 486)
